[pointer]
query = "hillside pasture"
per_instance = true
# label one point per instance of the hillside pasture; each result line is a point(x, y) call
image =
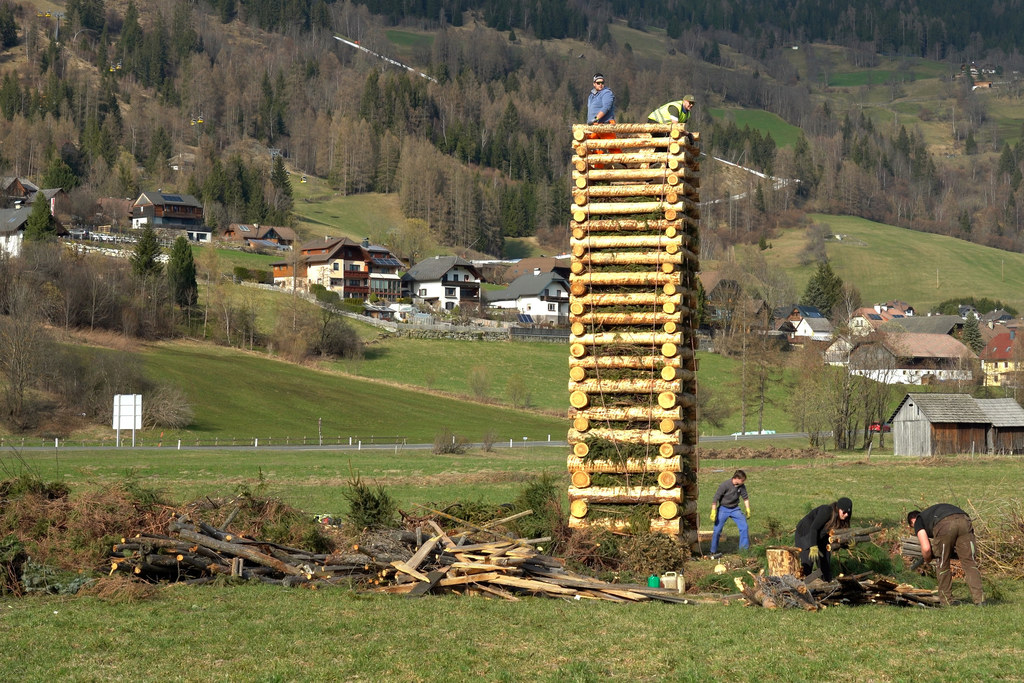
point(784, 134)
point(246, 395)
point(886, 262)
point(354, 216)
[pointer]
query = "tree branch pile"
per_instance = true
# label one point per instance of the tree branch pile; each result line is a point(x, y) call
point(195, 552)
point(1000, 537)
point(474, 564)
point(787, 591)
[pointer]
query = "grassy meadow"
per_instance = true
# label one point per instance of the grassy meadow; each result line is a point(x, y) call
point(245, 395)
point(784, 134)
point(320, 211)
point(875, 258)
point(208, 632)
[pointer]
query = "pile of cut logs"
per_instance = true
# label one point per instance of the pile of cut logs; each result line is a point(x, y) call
point(910, 547)
point(840, 538)
point(775, 592)
point(506, 569)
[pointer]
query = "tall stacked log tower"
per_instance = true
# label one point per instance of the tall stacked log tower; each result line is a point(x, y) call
point(633, 299)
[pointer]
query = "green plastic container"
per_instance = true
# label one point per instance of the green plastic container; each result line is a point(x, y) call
point(654, 581)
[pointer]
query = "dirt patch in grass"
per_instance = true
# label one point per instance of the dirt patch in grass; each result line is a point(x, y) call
point(770, 452)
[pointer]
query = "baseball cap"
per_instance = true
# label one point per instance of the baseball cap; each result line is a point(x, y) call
point(688, 98)
point(598, 77)
point(845, 504)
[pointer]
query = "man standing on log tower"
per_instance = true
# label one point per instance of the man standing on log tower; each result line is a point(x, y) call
point(677, 111)
point(600, 103)
point(726, 505)
point(946, 528)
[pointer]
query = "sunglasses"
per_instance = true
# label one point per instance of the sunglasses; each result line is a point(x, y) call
point(598, 82)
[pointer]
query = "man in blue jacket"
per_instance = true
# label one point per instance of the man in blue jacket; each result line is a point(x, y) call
point(601, 103)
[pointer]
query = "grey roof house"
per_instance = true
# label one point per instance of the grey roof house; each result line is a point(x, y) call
point(536, 297)
point(444, 282)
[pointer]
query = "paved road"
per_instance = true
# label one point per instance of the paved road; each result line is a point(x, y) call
point(370, 446)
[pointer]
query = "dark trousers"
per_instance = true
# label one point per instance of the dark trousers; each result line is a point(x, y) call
point(824, 562)
point(956, 533)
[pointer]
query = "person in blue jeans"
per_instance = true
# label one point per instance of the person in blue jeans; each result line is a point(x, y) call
point(726, 505)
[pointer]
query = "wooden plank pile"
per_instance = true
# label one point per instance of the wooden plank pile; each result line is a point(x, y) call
point(633, 298)
point(787, 591)
point(195, 552)
point(506, 569)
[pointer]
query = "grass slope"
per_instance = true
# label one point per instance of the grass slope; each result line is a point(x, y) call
point(247, 395)
point(320, 211)
point(784, 134)
point(542, 366)
point(886, 262)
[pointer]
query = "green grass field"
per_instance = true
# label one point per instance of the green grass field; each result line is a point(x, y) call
point(244, 395)
point(209, 632)
point(886, 262)
point(408, 39)
point(322, 212)
point(784, 134)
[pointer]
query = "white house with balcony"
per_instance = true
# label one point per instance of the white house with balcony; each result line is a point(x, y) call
point(535, 297)
point(443, 282)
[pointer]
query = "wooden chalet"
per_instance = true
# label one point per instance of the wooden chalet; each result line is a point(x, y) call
point(353, 270)
point(162, 210)
point(254, 235)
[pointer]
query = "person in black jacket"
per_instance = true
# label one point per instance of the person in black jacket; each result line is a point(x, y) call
point(942, 530)
point(812, 535)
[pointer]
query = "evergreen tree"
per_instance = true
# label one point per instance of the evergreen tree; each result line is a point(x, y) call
point(8, 26)
point(281, 201)
point(40, 225)
point(823, 289)
point(971, 335)
point(144, 258)
point(181, 273)
point(160, 150)
point(59, 174)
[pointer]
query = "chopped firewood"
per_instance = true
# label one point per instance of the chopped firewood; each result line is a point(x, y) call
point(789, 591)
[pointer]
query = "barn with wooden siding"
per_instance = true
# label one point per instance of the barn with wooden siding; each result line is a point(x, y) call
point(1006, 430)
point(939, 424)
point(944, 424)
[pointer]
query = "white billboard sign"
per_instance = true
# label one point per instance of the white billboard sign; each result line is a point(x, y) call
point(127, 414)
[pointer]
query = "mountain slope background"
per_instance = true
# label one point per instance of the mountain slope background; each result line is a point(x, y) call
point(874, 109)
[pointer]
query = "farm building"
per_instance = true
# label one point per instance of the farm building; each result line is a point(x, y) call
point(943, 424)
point(1006, 431)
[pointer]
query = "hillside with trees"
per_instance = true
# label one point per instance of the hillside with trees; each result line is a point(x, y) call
point(479, 152)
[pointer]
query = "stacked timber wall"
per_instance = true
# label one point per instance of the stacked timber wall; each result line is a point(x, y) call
point(632, 371)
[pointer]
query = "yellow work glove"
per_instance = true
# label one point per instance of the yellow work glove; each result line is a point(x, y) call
point(748, 512)
point(714, 515)
point(813, 553)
